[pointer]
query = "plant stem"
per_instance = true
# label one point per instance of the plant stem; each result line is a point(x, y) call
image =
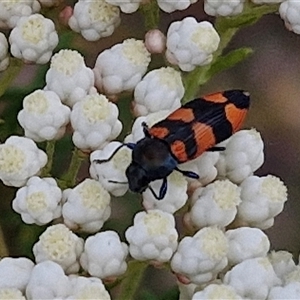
point(132, 280)
point(69, 178)
point(150, 11)
point(3, 248)
point(50, 148)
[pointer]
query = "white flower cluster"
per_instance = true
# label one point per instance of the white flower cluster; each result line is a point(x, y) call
point(226, 254)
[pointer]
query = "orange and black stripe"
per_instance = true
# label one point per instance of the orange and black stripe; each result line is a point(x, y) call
point(202, 123)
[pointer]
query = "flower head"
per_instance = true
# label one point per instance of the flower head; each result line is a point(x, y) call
point(88, 288)
point(175, 198)
point(217, 291)
point(242, 156)
point(4, 57)
point(87, 206)
point(69, 77)
point(39, 201)
point(113, 171)
point(223, 8)
point(127, 6)
point(153, 236)
point(94, 19)
point(282, 263)
point(191, 44)
point(121, 67)
point(170, 6)
point(250, 274)
point(15, 272)
point(95, 122)
point(59, 244)
point(43, 116)
point(215, 204)
point(20, 159)
point(246, 242)
point(104, 255)
point(262, 199)
point(12, 10)
point(48, 281)
point(200, 258)
point(33, 39)
point(11, 294)
point(163, 83)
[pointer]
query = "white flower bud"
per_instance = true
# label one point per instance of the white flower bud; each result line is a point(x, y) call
point(4, 57)
point(155, 41)
point(191, 44)
point(160, 89)
point(104, 255)
point(20, 159)
point(170, 6)
point(223, 8)
point(33, 39)
point(69, 77)
point(94, 19)
point(204, 166)
point(59, 244)
point(215, 204)
point(15, 272)
point(121, 67)
point(293, 276)
point(43, 116)
point(126, 6)
point(95, 122)
point(246, 242)
point(200, 258)
point(39, 201)
point(86, 207)
point(282, 262)
point(252, 278)
point(137, 132)
point(153, 236)
point(243, 155)
point(217, 292)
point(290, 291)
point(112, 170)
point(87, 288)
point(12, 10)
point(175, 198)
point(48, 281)
point(262, 199)
point(290, 13)
point(11, 294)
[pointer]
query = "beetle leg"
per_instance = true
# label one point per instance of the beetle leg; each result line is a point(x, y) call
point(189, 174)
point(128, 145)
point(162, 190)
point(145, 129)
point(216, 149)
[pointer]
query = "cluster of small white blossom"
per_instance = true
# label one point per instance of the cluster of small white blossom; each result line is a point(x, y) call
point(215, 262)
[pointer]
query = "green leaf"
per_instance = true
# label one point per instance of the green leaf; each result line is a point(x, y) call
point(228, 61)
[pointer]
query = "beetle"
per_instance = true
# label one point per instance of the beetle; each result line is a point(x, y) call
point(184, 135)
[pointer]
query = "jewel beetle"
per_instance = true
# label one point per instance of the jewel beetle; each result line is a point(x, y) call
point(184, 135)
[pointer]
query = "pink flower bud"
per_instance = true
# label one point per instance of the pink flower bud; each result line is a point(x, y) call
point(155, 41)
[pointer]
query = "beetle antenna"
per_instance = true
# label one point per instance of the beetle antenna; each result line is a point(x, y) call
point(128, 145)
point(120, 182)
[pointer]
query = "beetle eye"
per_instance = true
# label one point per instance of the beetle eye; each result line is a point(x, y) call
point(137, 178)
